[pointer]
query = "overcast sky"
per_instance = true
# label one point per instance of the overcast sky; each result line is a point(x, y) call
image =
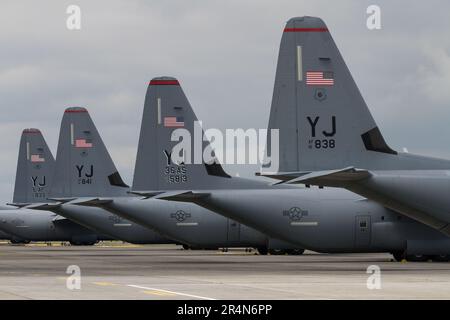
point(224, 54)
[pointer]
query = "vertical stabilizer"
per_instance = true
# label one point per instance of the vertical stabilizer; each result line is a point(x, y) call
point(35, 167)
point(167, 112)
point(323, 120)
point(84, 167)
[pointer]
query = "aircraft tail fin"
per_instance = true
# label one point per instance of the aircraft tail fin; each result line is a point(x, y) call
point(168, 120)
point(84, 167)
point(35, 168)
point(323, 120)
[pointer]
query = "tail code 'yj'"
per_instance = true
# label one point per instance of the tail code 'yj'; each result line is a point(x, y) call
point(35, 168)
point(84, 167)
point(323, 120)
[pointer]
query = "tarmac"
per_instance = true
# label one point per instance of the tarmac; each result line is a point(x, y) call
point(122, 271)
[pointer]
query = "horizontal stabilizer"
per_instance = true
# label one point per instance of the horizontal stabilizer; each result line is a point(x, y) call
point(44, 206)
point(185, 196)
point(325, 178)
point(146, 194)
point(331, 177)
point(92, 202)
point(282, 176)
point(62, 200)
point(18, 205)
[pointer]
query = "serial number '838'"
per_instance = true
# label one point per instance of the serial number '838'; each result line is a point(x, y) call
point(322, 144)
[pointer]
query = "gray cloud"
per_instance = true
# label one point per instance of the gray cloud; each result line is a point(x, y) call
point(224, 53)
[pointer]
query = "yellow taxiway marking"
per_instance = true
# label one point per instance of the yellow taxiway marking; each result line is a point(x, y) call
point(170, 292)
point(119, 246)
point(105, 284)
point(158, 293)
point(41, 245)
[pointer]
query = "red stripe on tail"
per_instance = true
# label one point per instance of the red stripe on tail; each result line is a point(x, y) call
point(305, 30)
point(164, 82)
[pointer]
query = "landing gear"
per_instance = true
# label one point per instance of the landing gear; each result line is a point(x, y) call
point(295, 252)
point(78, 243)
point(186, 247)
point(441, 258)
point(263, 251)
point(401, 255)
point(291, 252)
point(417, 258)
point(277, 252)
point(19, 241)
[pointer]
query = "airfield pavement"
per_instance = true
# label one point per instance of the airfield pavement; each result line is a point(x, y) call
point(122, 271)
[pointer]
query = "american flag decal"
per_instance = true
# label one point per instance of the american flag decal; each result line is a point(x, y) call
point(319, 78)
point(37, 158)
point(83, 143)
point(173, 122)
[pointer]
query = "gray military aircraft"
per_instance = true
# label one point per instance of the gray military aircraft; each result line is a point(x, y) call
point(324, 220)
point(12, 239)
point(334, 141)
point(35, 167)
point(90, 172)
point(84, 168)
point(4, 235)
